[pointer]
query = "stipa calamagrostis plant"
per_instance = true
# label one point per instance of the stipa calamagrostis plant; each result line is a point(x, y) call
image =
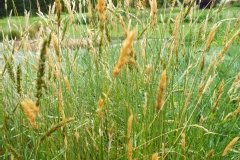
point(230, 146)
point(31, 111)
point(41, 69)
point(161, 91)
point(125, 53)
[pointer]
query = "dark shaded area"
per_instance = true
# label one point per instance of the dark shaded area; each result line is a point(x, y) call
point(18, 6)
point(206, 3)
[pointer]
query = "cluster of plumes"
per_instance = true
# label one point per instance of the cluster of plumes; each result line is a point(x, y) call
point(153, 13)
point(161, 91)
point(126, 53)
point(31, 111)
point(101, 10)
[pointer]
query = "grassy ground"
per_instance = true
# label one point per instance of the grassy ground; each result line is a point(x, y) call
point(87, 113)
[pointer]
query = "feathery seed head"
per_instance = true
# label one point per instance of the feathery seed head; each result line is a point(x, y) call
point(31, 111)
point(230, 146)
point(125, 52)
point(161, 91)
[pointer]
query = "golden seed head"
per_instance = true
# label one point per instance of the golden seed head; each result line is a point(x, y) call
point(100, 103)
point(65, 142)
point(155, 156)
point(153, 13)
point(161, 91)
point(58, 6)
point(183, 141)
point(101, 10)
point(130, 122)
point(31, 111)
point(210, 38)
point(125, 52)
point(56, 46)
point(148, 69)
point(130, 149)
point(67, 84)
point(230, 146)
point(77, 136)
